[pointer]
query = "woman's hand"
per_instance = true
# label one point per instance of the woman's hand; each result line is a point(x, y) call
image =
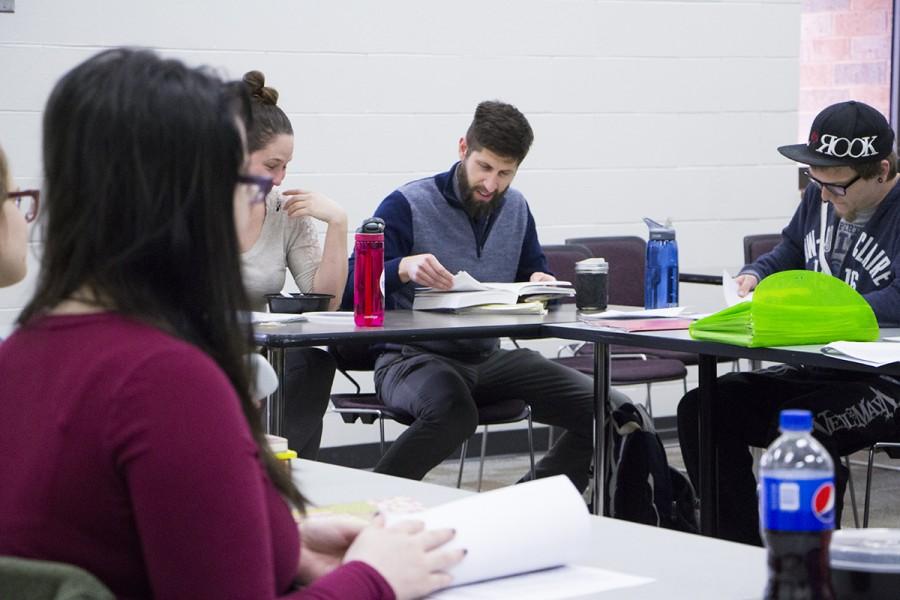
point(324, 542)
point(300, 203)
point(410, 558)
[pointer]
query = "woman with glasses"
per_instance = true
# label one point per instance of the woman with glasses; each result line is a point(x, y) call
point(16, 209)
point(129, 445)
point(281, 233)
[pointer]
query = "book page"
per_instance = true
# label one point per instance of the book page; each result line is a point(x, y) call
point(463, 282)
point(522, 308)
point(516, 529)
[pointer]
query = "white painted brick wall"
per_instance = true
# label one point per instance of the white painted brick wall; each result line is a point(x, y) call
point(669, 109)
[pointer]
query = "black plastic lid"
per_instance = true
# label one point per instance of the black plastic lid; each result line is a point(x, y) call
point(371, 225)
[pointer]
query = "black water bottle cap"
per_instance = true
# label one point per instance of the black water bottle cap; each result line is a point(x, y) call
point(658, 231)
point(371, 225)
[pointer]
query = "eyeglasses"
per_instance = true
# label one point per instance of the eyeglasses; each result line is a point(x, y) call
point(27, 201)
point(838, 189)
point(258, 187)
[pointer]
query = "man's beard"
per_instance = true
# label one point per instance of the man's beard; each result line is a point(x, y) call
point(475, 208)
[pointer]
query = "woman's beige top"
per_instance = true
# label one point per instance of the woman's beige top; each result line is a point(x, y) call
point(283, 242)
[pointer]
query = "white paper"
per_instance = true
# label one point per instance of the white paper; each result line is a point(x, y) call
point(516, 529)
point(674, 311)
point(730, 290)
point(552, 584)
point(333, 316)
point(265, 317)
point(870, 353)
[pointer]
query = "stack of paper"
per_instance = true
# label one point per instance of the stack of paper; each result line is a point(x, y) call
point(869, 353)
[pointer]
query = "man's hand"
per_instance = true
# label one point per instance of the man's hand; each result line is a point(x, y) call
point(324, 541)
point(425, 270)
point(746, 284)
point(300, 203)
point(538, 276)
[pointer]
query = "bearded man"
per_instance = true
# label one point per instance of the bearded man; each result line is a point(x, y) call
point(470, 219)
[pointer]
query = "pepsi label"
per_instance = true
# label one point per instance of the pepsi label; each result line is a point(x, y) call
point(797, 504)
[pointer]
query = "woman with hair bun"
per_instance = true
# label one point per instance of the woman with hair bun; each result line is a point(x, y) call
point(281, 233)
point(129, 444)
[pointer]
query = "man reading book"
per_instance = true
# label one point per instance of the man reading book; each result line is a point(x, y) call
point(470, 219)
point(848, 226)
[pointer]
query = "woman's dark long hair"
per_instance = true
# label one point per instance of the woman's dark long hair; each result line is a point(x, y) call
point(141, 158)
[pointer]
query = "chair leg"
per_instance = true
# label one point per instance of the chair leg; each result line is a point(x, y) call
point(684, 384)
point(463, 450)
point(852, 492)
point(649, 402)
point(484, 433)
point(381, 431)
point(531, 444)
point(868, 486)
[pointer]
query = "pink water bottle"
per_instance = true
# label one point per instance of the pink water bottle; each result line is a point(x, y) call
point(368, 274)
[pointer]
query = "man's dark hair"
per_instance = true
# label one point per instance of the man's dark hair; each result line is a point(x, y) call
point(871, 170)
point(500, 128)
point(141, 160)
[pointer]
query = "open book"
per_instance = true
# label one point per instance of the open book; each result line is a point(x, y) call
point(468, 291)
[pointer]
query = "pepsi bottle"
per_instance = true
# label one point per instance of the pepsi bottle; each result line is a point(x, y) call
point(661, 268)
point(796, 507)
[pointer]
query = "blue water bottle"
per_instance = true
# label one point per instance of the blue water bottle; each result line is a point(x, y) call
point(661, 271)
point(796, 507)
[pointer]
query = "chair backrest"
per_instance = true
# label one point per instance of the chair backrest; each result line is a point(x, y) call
point(28, 579)
point(561, 259)
point(757, 245)
point(626, 255)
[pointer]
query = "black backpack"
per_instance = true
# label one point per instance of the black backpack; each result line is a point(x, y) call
point(642, 487)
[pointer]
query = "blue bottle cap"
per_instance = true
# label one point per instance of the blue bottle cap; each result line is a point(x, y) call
point(795, 420)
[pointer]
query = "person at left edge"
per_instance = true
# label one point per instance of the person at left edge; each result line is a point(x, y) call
point(469, 218)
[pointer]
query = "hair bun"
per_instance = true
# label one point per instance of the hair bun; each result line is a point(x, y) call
point(256, 82)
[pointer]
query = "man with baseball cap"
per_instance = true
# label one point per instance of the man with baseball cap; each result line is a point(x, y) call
point(847, 225)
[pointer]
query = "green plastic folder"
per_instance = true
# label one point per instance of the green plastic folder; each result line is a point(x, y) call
point(793, 308)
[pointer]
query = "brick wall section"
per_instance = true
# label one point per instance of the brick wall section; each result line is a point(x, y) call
point(845, 53)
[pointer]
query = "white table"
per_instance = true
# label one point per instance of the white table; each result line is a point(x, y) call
point(683, 566)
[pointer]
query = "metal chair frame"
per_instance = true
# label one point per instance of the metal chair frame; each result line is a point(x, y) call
point(369, 415)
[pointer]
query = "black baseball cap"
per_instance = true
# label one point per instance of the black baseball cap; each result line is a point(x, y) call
point(847, 133)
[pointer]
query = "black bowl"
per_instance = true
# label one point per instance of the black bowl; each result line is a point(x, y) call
point(298, 303)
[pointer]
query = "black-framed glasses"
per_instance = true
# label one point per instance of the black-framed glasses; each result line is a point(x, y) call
point(259, 187)
point(838, 189)
point(27, 201)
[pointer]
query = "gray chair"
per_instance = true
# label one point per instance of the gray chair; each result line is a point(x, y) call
point(630, 366)
point(757, 245)
point(368, 408)
point(29, 579)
